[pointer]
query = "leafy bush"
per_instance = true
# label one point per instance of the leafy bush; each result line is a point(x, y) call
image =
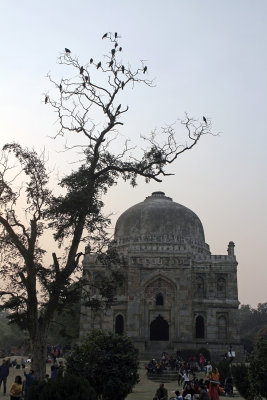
point(108, 361)
point(241, 380)
point(224, 370)
point(258, 368)
point(248, 344)
point(68, 387)
point(262, 333)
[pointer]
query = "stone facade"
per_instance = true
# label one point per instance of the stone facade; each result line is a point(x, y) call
point(176, 294)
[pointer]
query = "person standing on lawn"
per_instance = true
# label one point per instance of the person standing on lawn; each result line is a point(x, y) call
point(4, 372)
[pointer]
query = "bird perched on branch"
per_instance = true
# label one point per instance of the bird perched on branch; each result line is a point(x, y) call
point(67, 50)
point(120, 48)
point(105, 35)
point(91, 60)
point(116, 45)
point(86, 78)
point(205, 120)
point(81, 70)
point(46, 99)
point(98, 65)
point(145, 69)
point(113, 52)
point(116, 35)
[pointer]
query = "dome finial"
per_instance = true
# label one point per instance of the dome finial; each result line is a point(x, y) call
point(161, 194)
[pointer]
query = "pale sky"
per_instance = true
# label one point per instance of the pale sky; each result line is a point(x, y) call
point(207, 57)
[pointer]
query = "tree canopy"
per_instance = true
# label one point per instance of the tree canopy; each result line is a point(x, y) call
point(253, 323)
point(258, 369)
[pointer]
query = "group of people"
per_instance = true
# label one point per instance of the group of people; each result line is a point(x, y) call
point(57, 351)
point(18, 387)
point(192, 387)
point(157, 366)
point(188, 393)
point(21, 385)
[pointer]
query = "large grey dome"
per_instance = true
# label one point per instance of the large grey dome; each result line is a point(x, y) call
point(159, 219)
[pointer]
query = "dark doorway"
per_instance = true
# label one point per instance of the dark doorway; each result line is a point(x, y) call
point(119, 325)
point(200, 327)
point(159, 329)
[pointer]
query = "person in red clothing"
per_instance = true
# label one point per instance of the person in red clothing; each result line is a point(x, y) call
point(214, 385)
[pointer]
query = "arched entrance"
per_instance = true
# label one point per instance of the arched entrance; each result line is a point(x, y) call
point(159, 329)
point(200, 327)
point(119, 325)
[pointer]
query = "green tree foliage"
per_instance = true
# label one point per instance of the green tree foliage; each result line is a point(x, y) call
point(90, 106)
point(67, 387)
point(240, 376)
point(64, 328)
point(262, 333)
point(108, 361)
point(252, 320)
point(9, 337)
point(258, 368)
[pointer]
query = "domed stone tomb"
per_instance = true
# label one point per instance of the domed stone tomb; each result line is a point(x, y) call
point(160, 220)
point(176, 294)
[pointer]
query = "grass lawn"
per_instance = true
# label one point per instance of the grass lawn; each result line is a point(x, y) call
point(146, 389)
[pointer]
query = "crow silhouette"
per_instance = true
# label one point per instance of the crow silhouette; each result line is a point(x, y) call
point(104, 36)
point(120, 48)
point(46, 99)
point(116, 45)
point(86, 78)
point(205, 120)
point(145, 69)
point(116, 34)
point(81, 70)
point(98, 65)
point(67, 50)
point(113, 52)
point(91, 60)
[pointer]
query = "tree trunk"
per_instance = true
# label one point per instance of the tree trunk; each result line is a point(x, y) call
point(39, 351)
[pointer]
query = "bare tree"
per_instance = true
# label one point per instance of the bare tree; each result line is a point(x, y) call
point(33, 291)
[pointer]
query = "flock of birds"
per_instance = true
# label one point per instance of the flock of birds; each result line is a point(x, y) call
point(113, 52)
